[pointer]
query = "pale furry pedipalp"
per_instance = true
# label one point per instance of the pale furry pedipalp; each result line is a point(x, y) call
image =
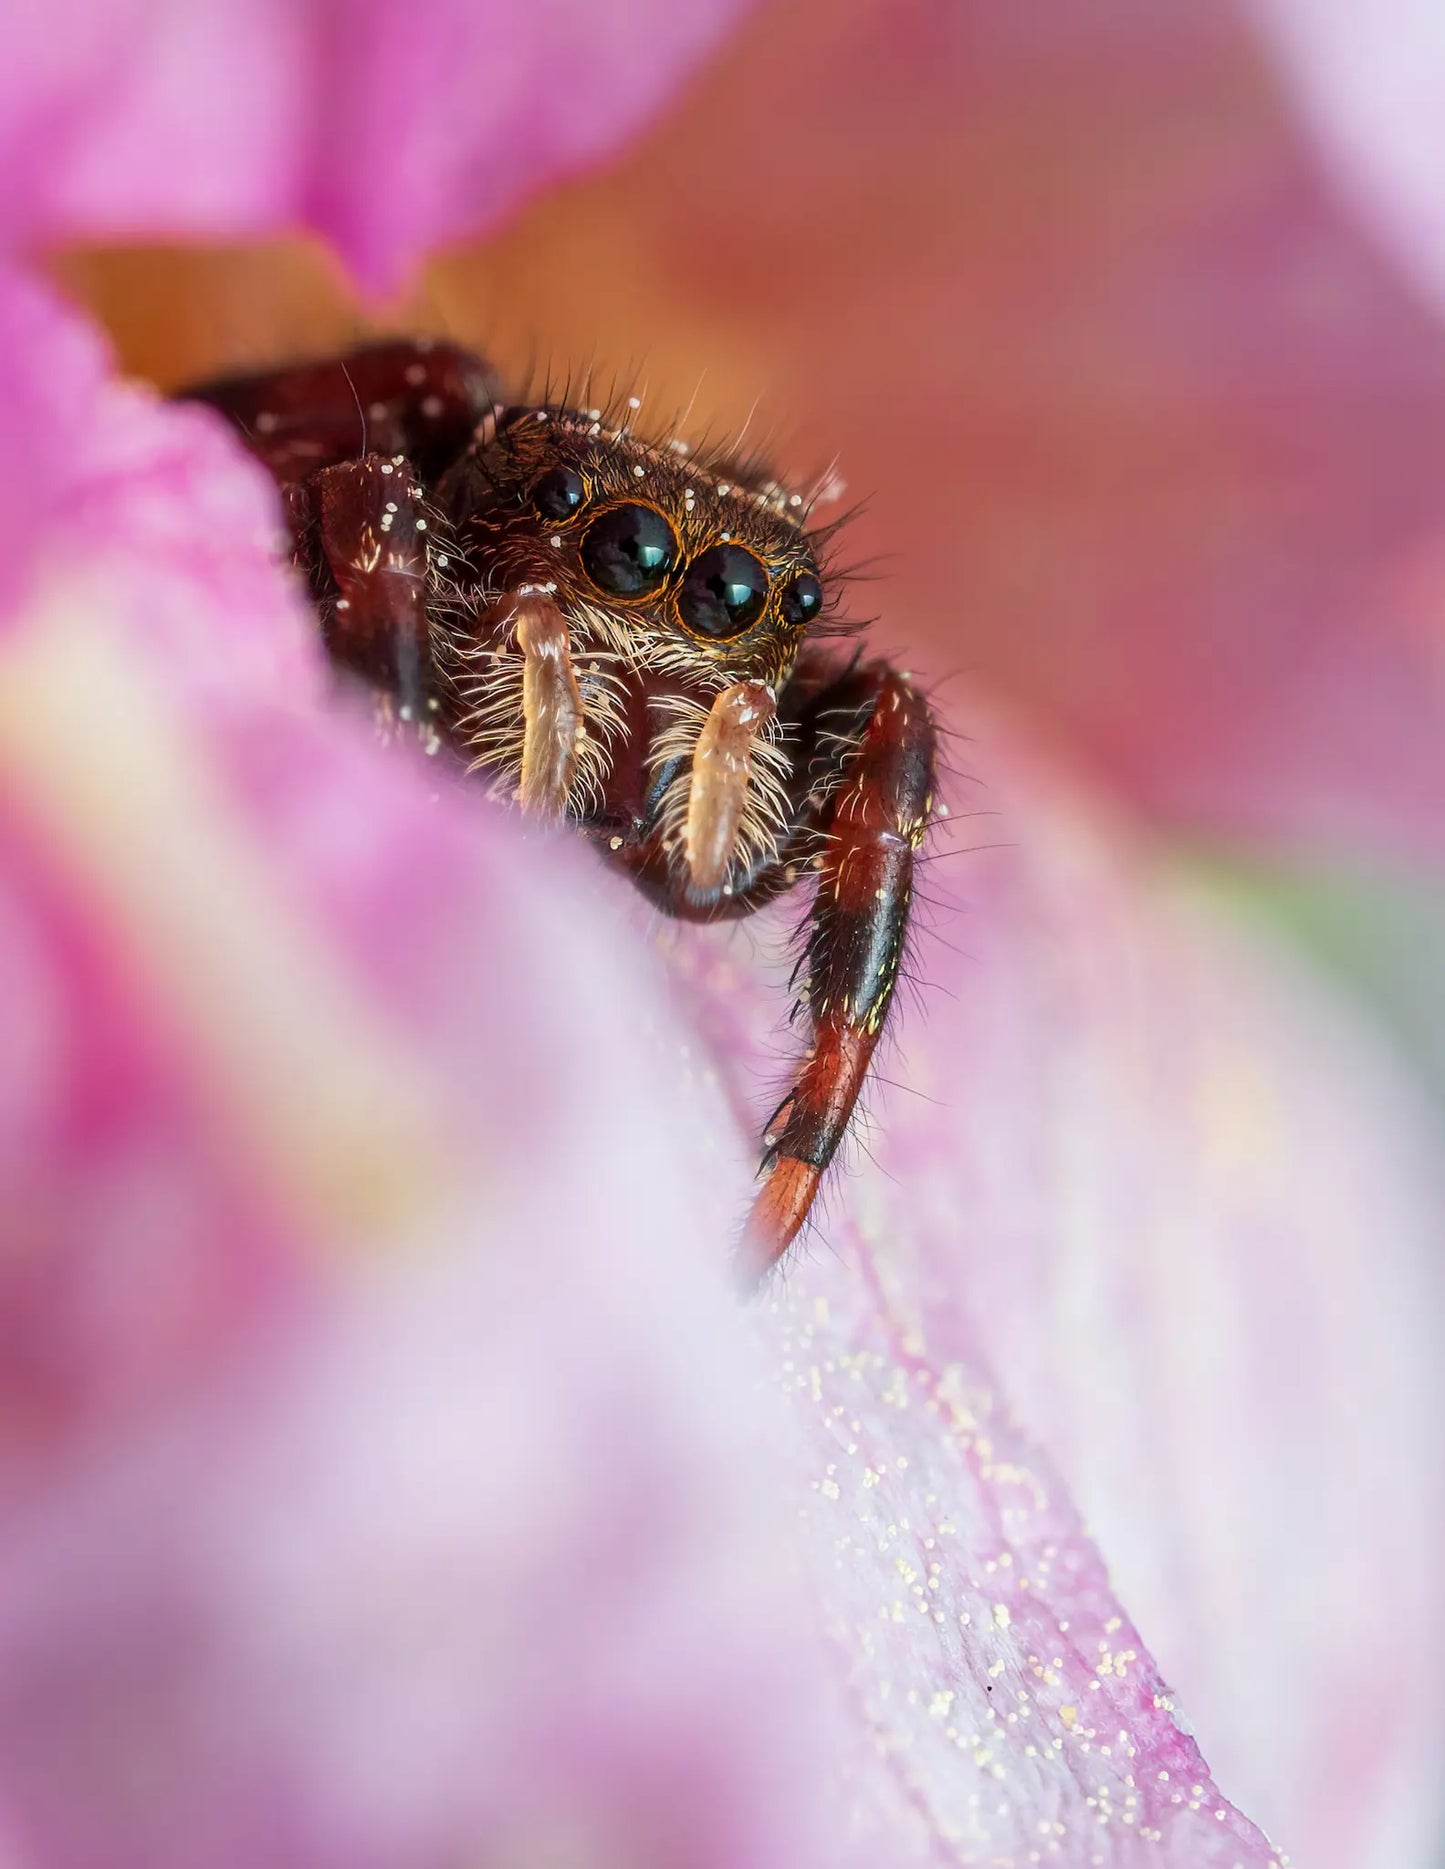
point(721, 778)
point(763, 816)
point(552, 717)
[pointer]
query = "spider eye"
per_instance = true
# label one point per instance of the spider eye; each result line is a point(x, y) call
point(629, 550)
point(724, 592)
point(803, 598)
point(559, 493)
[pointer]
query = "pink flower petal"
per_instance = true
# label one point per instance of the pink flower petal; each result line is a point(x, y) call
point(100, 484)
point(113, 1172)
point(1374, 98)
point(476, 1540)
point(223, 1626)
point(483, 1555)
point(51, 368)
point(1147, 1183)
point(386, 129)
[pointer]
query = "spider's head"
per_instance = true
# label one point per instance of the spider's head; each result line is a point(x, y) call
point(681, 567)
point(632, 616)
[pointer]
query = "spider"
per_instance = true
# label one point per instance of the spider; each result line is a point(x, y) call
point(620, 633)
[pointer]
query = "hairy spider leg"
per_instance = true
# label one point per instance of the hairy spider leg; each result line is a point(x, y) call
point(862, 799)
point(352, 443)
point(411, 396)
point(875, 819)
point(361, 538)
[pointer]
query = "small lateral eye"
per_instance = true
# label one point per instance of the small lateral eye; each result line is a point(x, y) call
point(629, 550)
point(724, 592)
point(803, 598)
point(559, 493)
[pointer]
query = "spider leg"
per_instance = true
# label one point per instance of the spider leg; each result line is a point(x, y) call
point(881, 745)
point(861, 799)
point(414, 396)
point(361, 539)
point(352, 441)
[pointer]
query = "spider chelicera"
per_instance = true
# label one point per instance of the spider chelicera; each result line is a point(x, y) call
point(631, 636)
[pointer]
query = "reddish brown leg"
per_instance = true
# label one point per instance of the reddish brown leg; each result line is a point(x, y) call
point(408, 396)
point(862, 796)
point(361, 536)
point(352, 442)
point(875, 822)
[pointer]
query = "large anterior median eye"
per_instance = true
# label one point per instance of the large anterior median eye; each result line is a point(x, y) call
point(629, 550)
point(724, 592)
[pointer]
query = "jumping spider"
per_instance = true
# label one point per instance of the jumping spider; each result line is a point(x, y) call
point(631, 637)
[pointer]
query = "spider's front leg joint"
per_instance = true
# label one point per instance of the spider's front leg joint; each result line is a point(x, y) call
point(362, 531)
point(722, 769)
point(552, 712)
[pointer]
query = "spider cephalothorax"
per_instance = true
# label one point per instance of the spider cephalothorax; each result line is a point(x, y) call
point(638, 607)
point(613, 630)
